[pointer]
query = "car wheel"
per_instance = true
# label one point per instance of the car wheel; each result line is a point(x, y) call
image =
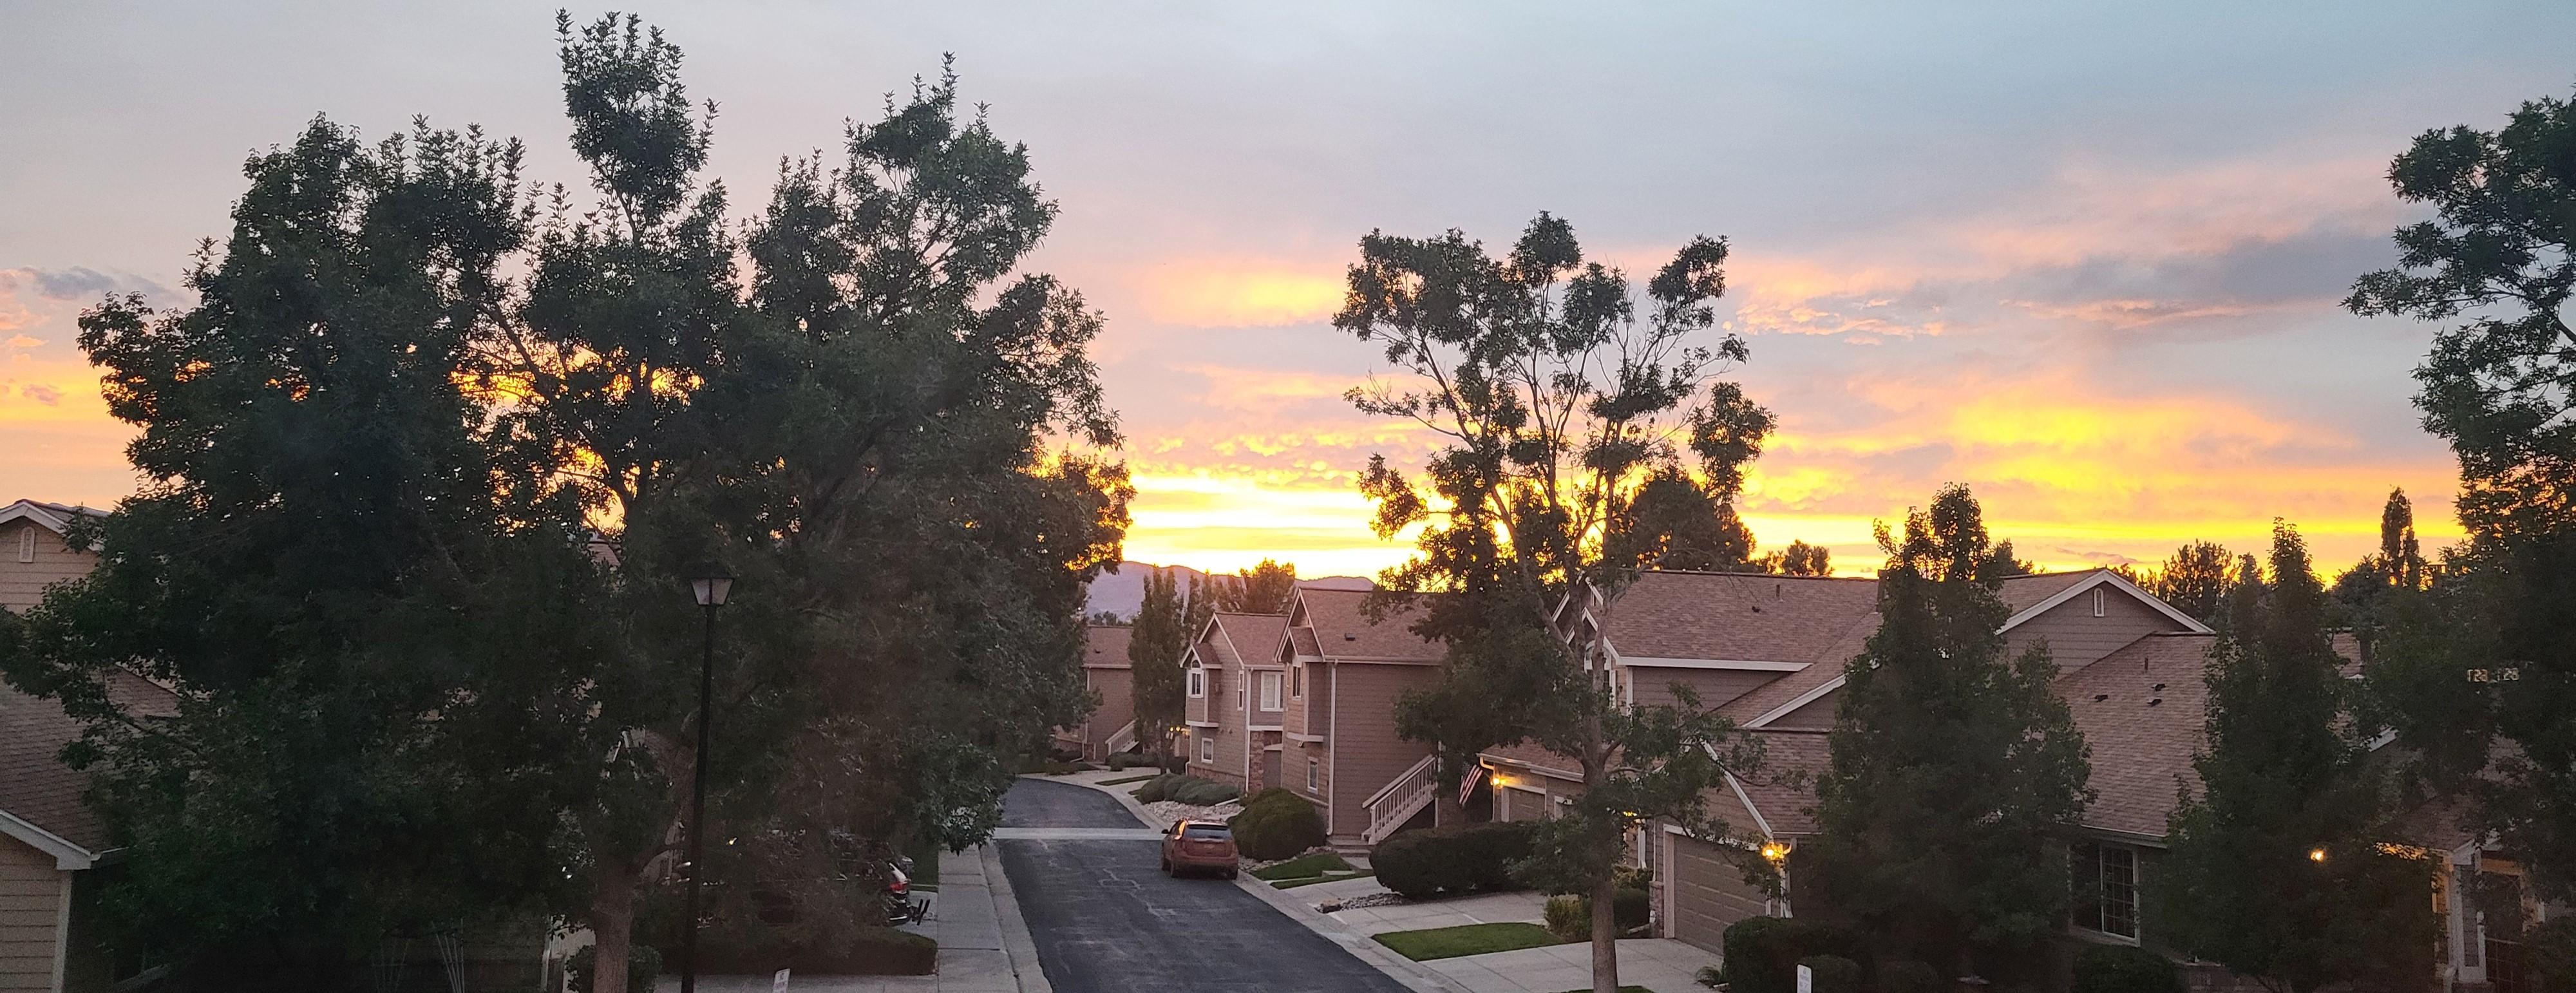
point(1167, 866)
point(1230, 873)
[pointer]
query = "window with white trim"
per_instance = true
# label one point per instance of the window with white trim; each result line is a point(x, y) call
point(2097, 601)
point(1314, 774)
point(2105, 878)
point(1297, 681)
point(1207, 747)
point(1238, 694)
point(1198, 681)
point(27, 543)
point(1270, 691)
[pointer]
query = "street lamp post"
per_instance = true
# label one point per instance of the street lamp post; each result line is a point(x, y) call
point(709, 583)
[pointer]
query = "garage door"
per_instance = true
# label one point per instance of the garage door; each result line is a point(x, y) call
point(1707, 892)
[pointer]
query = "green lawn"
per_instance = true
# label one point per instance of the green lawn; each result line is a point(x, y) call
point(1303, 866)
point(1290, 884)
point(1465, 939)
point(1130, 779)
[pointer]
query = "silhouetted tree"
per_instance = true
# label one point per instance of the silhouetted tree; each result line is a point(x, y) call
point(2193, 579)
point(1954, 766)
point(2494, 264)
point(1263, 589)
point(1799, 559)
point(2276, 868)
point(1559, 403)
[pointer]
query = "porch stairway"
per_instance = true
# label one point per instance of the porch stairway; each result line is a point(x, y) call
point(1121, 740)
point(1396, 803)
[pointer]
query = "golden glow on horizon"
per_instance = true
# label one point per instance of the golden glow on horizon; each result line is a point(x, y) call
point(1204, 293)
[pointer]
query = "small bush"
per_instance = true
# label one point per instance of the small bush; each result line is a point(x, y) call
point(643, 964)
point(1276, 824)
point(1156, 789)
point(1833, 973)
point(1175, 764)
point(2121, 969)
point(1570, 915)
point(1465, 858)
point(1122, 761)
point(1710, 975)
point(1762, 953)
point(1910, 976)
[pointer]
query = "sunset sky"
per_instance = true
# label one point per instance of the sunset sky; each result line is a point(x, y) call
point(2087, 262)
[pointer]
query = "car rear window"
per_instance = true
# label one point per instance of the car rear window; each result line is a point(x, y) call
point(1211, 832)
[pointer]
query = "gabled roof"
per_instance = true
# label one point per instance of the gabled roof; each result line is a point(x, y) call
point(2031, 596)
point(40, 797)
point(1342, 630)
point(1235, 640)
point(1782, 795)
point(2141, 710)
point(54, 517)
point(1734, 616)
point(1104, 646)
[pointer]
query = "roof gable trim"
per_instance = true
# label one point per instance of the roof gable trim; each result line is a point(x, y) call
point(1796, 702)
point(66, 855)
point(2112, 579)
point(1748, 665)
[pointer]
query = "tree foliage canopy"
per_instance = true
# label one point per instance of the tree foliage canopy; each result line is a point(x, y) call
point(2276, 868)
point(1953, 766)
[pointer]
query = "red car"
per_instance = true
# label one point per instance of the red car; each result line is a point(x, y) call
point(1205, 845)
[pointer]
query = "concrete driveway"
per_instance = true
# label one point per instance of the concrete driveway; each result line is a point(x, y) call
point(1106, 920)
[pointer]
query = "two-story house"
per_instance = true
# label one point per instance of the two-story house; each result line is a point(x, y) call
point(1338, 738)
point(1235, 696)
point(1107, 672)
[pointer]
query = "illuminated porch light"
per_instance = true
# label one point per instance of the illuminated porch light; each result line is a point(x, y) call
point(2316, 855)
point(1774, 852)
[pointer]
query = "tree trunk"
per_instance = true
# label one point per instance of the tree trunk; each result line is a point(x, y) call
point(612, 928)
point(1605, 936)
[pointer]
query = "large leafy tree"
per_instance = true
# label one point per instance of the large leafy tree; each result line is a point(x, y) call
point(1953, 764)
point(1798, 559)
point(875, 424)
point(2193, 579)
point(327, 499)
point(1265, 588)
point(2495, 266)
point(1558, 396)
point(1163, 630)
point(2276, 869)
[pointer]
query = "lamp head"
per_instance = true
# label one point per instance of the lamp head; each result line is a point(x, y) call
point(710, 583)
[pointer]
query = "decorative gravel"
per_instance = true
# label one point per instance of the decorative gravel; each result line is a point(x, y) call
point(1168, 812)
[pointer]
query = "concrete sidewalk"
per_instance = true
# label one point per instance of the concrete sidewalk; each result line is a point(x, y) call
point(984, 946)
point(1659, 964)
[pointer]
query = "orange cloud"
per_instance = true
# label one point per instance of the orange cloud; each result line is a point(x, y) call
point(1234, 293)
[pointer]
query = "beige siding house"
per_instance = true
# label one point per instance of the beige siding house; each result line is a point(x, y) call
point(51, 844)
point(1768, 652)
point(1106, 671)
point(1340, 751)
point(1235, 699)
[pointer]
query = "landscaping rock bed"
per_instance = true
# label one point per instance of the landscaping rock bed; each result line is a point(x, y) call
point(1168, 812)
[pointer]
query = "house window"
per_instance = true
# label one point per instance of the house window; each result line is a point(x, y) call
point(1207, 748)
point(2097, 601)
point(1270, 691)
point(1314, 775)
point(1297, 682)
point(27, 543)
point(1198, 681)
point(1238, 694)
point(2106, 888)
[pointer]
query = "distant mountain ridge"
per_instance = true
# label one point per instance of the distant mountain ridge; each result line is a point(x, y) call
point(1123, 592)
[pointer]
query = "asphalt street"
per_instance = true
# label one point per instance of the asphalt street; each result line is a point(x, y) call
point(1106, 920)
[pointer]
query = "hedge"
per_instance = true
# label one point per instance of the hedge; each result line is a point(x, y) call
point(2122, 969)
point(1833, 973)
point(1762, 953)
point(1120, 761)
point(1463, 858)
point(1570, 916)
point(1276, 824)
point(1910, 976)
point(1185, 789)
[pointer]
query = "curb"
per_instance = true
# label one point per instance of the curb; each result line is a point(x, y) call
point(1414, 975)
point(1017, 944)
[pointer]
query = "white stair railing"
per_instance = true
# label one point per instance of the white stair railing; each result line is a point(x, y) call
point(1123, 739)
point(1401, 798)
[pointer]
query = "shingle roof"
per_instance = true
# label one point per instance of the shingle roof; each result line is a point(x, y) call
point(1827, 667)
point(1736, 616)
point(2141, 709)
point(1785, 789)
point(1343, 631)
point(1252, 639)
point(1104, 646)
point(2020, 593)
point(35, 786)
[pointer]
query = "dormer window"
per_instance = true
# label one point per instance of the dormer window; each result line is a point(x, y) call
point(2097, 601)
point(1198, 682)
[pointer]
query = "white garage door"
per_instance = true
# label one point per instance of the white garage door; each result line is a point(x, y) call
point(1707, 892)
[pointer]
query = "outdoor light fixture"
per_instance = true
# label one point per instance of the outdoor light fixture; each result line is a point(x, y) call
point(709, 583)
point(2316, 855)
point(1773, 852)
